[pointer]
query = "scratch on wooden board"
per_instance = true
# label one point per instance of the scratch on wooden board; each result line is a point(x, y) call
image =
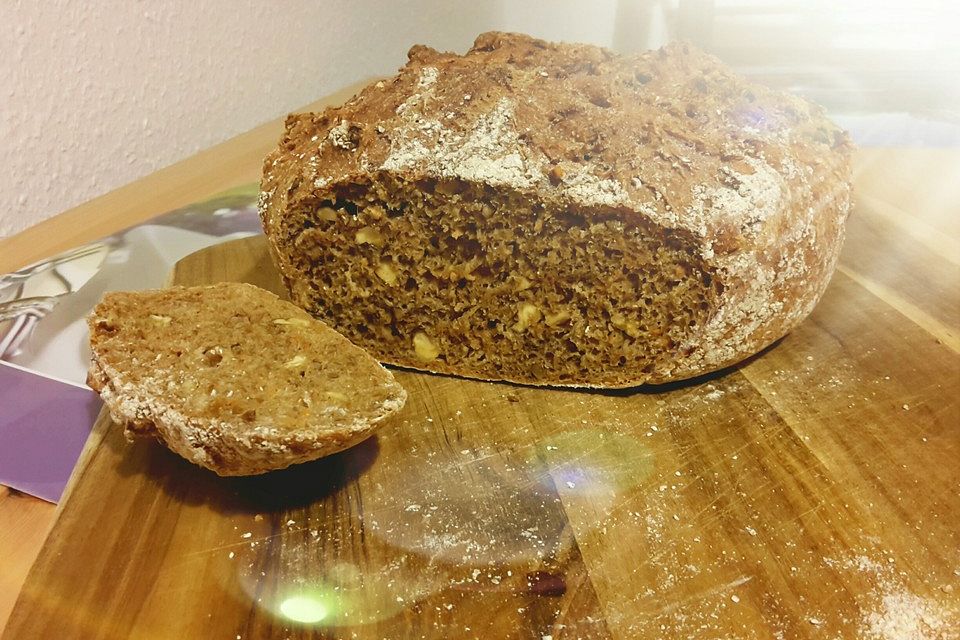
point(708, 507)
point(626, 502)
point(799, 516)
point(719, 464)
point(699, 595)
point(246, 542)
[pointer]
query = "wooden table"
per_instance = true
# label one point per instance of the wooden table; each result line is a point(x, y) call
point(903, 248)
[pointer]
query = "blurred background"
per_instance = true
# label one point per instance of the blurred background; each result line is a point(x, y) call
point(96, 95)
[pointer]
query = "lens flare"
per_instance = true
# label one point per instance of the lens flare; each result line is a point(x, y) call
point(303, 608)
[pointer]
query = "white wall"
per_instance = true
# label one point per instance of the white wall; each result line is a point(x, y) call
point(94, 94)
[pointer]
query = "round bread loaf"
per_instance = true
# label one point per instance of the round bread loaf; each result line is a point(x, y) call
point(558, 214)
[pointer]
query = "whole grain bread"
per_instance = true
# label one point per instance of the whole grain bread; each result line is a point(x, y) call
point(233, 378)
point(559, 214)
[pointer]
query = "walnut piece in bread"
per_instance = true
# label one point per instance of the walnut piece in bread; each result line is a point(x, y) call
point(559, 214)
point(233, 378)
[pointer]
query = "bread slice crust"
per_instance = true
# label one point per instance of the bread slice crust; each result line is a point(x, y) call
point(234, 379)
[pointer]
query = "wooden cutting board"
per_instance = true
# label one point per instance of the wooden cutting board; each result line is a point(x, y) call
point(810, 493)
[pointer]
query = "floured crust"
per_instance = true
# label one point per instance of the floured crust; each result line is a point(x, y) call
point(147, 407)
point(756, 182)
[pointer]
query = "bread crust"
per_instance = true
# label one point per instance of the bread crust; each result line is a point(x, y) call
point(147, 407)
point(755, 181)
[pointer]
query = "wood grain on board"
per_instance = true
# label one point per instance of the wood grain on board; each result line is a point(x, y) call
point(24, 522)
point(811, 492)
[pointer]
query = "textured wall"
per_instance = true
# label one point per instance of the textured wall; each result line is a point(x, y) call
point(95, 94)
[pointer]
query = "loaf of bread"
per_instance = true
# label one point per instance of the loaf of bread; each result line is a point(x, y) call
point(558, 214)
point(233, 378)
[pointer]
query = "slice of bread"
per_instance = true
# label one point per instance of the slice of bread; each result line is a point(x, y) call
point(233, 378)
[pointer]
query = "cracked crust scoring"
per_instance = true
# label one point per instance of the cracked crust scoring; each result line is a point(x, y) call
point(758, 181)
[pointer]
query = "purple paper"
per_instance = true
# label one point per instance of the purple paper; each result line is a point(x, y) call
point(44, 424)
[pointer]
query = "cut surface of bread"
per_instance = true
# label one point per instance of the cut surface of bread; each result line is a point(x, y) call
point(233, 378)
point(558, 214)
